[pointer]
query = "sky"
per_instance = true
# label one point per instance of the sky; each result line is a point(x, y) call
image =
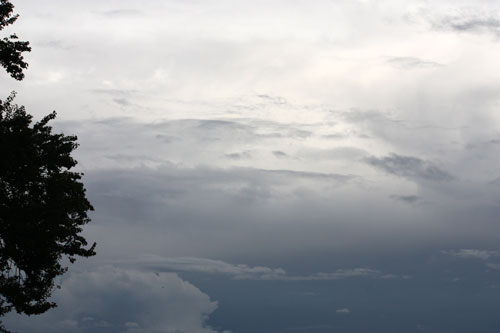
point(275, 166)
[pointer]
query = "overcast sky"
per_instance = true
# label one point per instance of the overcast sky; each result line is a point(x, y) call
point(275, 166)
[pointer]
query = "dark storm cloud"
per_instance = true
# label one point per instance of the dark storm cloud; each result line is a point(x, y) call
point(409, 167)
point(231, 182)
point(262, 215)
point(412, 63)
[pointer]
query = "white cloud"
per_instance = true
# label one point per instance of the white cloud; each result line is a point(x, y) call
point(245, 272)
point(122, 301)
point(210, 266)
point(472, 253)
point(493, 266)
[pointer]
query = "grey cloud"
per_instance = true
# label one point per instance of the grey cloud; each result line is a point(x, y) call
point(412, 63)
point(119, 96)
point(192, 141)
point(214, 124)
point(257, 213)
point(298, 133)
point(346, 153)
point(360, 116)
point(114, 92)
point(335, 177)
point(334, 136)
point(122, 12)
point(170, 182)
point(167, 138)
point(279, 154)
point(273, 99)
point(55, 44)
point(338, 275)
point(471, 253)
point(343, 311)
point(237, 130)
point(238, 156)
point(122, 101)
point(409, 167)
point(466, 21)
point(411, 199)
point(493, 266)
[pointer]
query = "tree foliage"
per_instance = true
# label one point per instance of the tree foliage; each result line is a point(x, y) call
point(42, 209)
point(42, 202)
point(11, 48)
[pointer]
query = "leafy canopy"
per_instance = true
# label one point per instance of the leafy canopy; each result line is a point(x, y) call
point(11, 48)
point(42, 209)
point(42, 203)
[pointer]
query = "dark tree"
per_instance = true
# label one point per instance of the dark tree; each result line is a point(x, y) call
point(42, 209)
point(42, 203)
point(11, 48)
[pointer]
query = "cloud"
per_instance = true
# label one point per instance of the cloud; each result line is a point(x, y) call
point(279, 154)
point(468, 20)
point(121, 300)
point(245, 272)
point(409, 167)
point(412, 63)
point(493, 266)
point(122, 12)
point(55, 44)
point(210, 266)
point(410, 199)
point(471, 253)
point(121, 101)
point(114, 92)
point(239, 156)
point(272, 99)
point(343, 311)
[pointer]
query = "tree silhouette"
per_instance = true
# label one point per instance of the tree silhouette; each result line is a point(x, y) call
point(11, 48)
point(42, 203)
point(42, 209)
